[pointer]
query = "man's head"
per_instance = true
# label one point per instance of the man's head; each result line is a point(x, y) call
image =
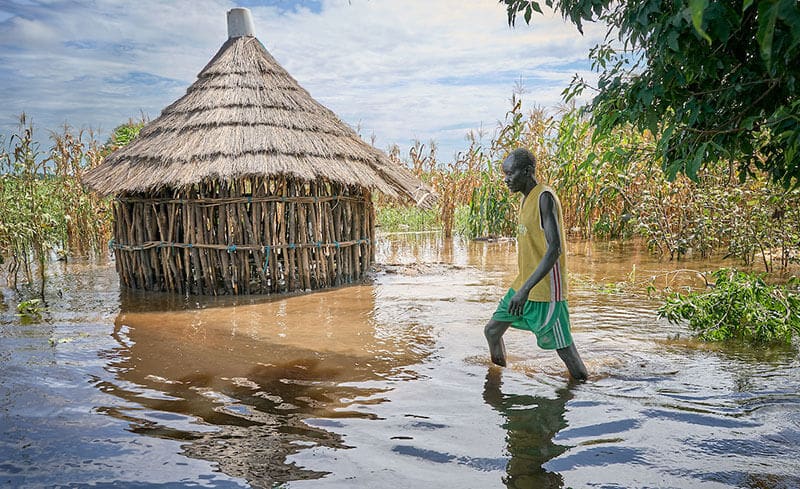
point(519, 170)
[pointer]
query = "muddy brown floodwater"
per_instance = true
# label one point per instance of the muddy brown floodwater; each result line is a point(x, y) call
point(387, 384)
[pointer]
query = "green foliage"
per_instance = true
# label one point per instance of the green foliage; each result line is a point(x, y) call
point(27, 228)
point(740, 306)
point(492, 211)
point(30, 310)
point(610, 189)
point(461, 220)
point(765, 225)
point(69, 339)
point(85, 219)
point(713, 80)
point(682, 217)
point(123, 134)
point(597, 178)
point(453, 182)
point(757, 222)
point(395, 218)
point(43, 205)
point(472, 197)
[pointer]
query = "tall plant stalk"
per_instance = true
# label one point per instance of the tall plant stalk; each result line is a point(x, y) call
point(44, 209)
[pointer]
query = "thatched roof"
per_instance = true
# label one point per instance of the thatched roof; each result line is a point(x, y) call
point(246, 116)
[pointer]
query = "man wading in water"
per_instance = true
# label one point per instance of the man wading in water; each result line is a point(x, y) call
point(537, 299)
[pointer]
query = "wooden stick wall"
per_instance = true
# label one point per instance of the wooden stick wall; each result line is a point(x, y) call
point(248, 236)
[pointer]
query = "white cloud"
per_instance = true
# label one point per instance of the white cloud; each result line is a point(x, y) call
point(401, 69)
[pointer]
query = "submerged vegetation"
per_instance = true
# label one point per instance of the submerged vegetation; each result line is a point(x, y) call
point(46, 212)
point(739, 306)
point(611, 186)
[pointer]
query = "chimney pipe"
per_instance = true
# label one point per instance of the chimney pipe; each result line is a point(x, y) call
point(240, 23)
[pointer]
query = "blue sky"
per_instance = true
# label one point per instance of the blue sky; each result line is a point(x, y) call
point(395, 70)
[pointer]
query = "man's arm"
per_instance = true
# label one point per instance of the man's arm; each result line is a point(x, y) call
point(547, 209)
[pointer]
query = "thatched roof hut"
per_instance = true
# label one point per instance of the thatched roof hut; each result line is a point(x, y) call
point(246, 184)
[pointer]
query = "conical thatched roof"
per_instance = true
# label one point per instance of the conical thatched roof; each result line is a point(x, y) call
point(246, 116)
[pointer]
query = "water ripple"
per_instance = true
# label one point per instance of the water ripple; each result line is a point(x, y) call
point(483, 464)
point(697, 419)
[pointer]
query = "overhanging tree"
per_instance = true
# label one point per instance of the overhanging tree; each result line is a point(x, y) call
point(715, 81)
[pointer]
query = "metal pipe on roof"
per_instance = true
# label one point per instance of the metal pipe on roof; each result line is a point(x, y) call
point(240, 23)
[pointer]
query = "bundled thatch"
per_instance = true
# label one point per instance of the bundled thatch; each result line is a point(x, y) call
point(246, 116)
point(246, 184)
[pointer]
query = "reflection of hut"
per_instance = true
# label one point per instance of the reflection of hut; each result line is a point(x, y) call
point(246, 184)
point(254, 372)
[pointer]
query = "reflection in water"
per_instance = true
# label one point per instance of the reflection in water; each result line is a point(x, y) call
point(415, 248)
point(531, 423)
point(240, 378)
point(386, 385)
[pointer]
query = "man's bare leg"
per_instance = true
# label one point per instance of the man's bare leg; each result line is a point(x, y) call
point(573, 362)
point(494, 335)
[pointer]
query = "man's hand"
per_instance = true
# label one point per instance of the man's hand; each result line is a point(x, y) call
point(517, 303)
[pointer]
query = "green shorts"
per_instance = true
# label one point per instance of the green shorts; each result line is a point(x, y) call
point(549, 321)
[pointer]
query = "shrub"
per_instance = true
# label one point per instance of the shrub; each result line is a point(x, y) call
point(739, 306)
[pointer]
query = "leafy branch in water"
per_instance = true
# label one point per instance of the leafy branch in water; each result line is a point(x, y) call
point(30, 310)
point(739, 306)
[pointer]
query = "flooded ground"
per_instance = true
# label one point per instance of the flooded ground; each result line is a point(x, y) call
point(387, 384)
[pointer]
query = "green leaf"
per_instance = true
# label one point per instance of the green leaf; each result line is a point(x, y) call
point(698, 7)
point(748, 122)
point(672, 41)
point(746, 5)
point(767, 15)
point(789, 14)
point(697, 162)
point(646, 96)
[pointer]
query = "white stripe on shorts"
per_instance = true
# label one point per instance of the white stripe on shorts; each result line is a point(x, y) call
point(559, 334)
point(550, 311)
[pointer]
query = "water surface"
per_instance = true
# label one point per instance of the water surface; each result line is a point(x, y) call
point(388, 384)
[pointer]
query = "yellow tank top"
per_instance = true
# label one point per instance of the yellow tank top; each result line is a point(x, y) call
point(532, 245)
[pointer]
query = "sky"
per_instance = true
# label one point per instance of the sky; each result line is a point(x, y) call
point(395, 70)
